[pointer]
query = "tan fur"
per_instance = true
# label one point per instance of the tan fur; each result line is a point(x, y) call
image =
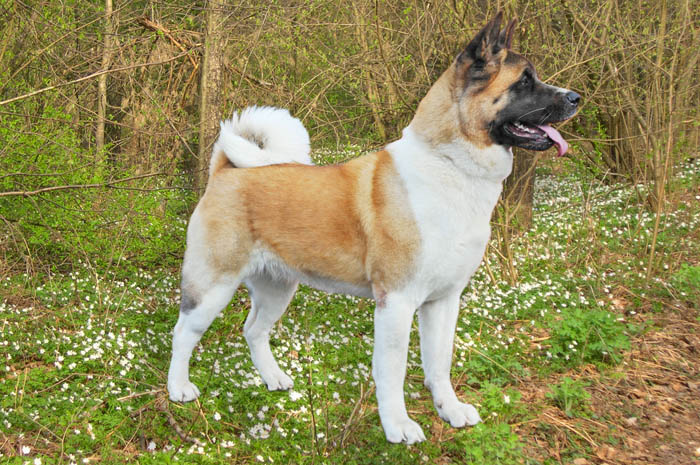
point(217, 162)
point(345, 222)
point(441, 115)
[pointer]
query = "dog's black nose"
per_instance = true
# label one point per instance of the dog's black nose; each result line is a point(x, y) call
point(573, 98)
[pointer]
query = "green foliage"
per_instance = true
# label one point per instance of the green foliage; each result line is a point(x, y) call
point(96, 226)
point(687, 281)
point(584, 335)
point(571, 397)
point(500, 368)
point(488, 443)
point(87, 351)
point(500, 402)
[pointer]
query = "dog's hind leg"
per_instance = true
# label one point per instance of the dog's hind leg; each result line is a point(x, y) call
point(270, 298)
point(197, 311)
point(437, 321)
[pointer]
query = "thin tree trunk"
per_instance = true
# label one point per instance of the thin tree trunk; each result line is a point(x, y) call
point(210, 88)
point(518, 190)
point(102, 80)
point(368, 75)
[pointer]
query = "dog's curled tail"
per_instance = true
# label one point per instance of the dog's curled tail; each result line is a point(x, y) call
point(260, 136)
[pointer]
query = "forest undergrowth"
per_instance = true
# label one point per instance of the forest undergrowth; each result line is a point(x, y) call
point(583, 360)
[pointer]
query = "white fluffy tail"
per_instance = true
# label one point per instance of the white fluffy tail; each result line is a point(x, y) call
point(260, 136)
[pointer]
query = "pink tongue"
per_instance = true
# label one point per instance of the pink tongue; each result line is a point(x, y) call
point(562, 145)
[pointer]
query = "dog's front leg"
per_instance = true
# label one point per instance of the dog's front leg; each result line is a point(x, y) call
point(392, 325)
point(437, 321)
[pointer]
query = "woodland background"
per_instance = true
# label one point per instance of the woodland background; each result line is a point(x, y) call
point(577, 339)
point(100, 102)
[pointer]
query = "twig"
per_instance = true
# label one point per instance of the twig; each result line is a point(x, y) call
point(348, 423)
point(48, 47)
point(139, 394)
point(147, 23)
point(162, 406)
point(78, 186)
point(91, 76)
point(583, 435)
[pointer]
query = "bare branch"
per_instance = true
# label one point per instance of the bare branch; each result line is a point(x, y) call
point(92, 76)
point(110, 184)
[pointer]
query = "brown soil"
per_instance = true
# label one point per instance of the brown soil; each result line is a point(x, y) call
point(647, 411)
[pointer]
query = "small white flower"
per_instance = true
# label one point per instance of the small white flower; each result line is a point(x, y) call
point(506, 398)
point(26, 450)
point(260, 458)
point(294, 396)
point(151, 446)
point(217, 416)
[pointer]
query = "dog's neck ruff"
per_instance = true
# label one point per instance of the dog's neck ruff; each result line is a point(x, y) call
point(493, 163)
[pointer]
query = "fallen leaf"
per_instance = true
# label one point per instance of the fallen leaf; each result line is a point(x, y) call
point(605, 452)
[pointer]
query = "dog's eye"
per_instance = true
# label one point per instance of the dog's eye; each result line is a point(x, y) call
point(525, 80)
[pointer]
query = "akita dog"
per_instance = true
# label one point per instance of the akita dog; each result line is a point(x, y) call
point(407, 225)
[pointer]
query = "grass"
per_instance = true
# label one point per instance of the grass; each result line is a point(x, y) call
point(570, 396)
point(84, 355)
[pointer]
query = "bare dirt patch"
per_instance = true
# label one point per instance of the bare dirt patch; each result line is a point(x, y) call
point(657, 400)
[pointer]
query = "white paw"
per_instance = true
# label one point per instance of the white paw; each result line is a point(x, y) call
point(183, 392)
point(405, 430)
point(459, 414)
point(278, 381)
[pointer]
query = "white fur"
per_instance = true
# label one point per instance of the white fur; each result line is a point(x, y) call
point(188, 331)
point(283, 138)
point(452, 190)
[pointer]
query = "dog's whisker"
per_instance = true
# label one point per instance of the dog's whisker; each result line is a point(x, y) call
point(545, 117)
point(531, 111)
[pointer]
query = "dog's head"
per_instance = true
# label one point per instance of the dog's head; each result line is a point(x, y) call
point(497, 96)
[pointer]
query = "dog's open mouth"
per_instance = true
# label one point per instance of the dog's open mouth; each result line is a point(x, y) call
point(536, 137)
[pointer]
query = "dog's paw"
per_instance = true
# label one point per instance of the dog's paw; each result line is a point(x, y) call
point(405, 430)
point(459, 414)
point(278, 381)
point(184, 392)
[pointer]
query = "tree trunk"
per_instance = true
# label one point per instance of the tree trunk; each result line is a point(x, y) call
point(519, 189)
point(210, 88)
point(368, 75)
point(102, 80)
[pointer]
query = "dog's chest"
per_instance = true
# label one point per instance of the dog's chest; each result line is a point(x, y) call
point(452, 191)
point(454, 224)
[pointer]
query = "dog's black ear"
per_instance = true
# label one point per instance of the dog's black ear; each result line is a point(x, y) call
point(485, 45)
point(505, 38)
